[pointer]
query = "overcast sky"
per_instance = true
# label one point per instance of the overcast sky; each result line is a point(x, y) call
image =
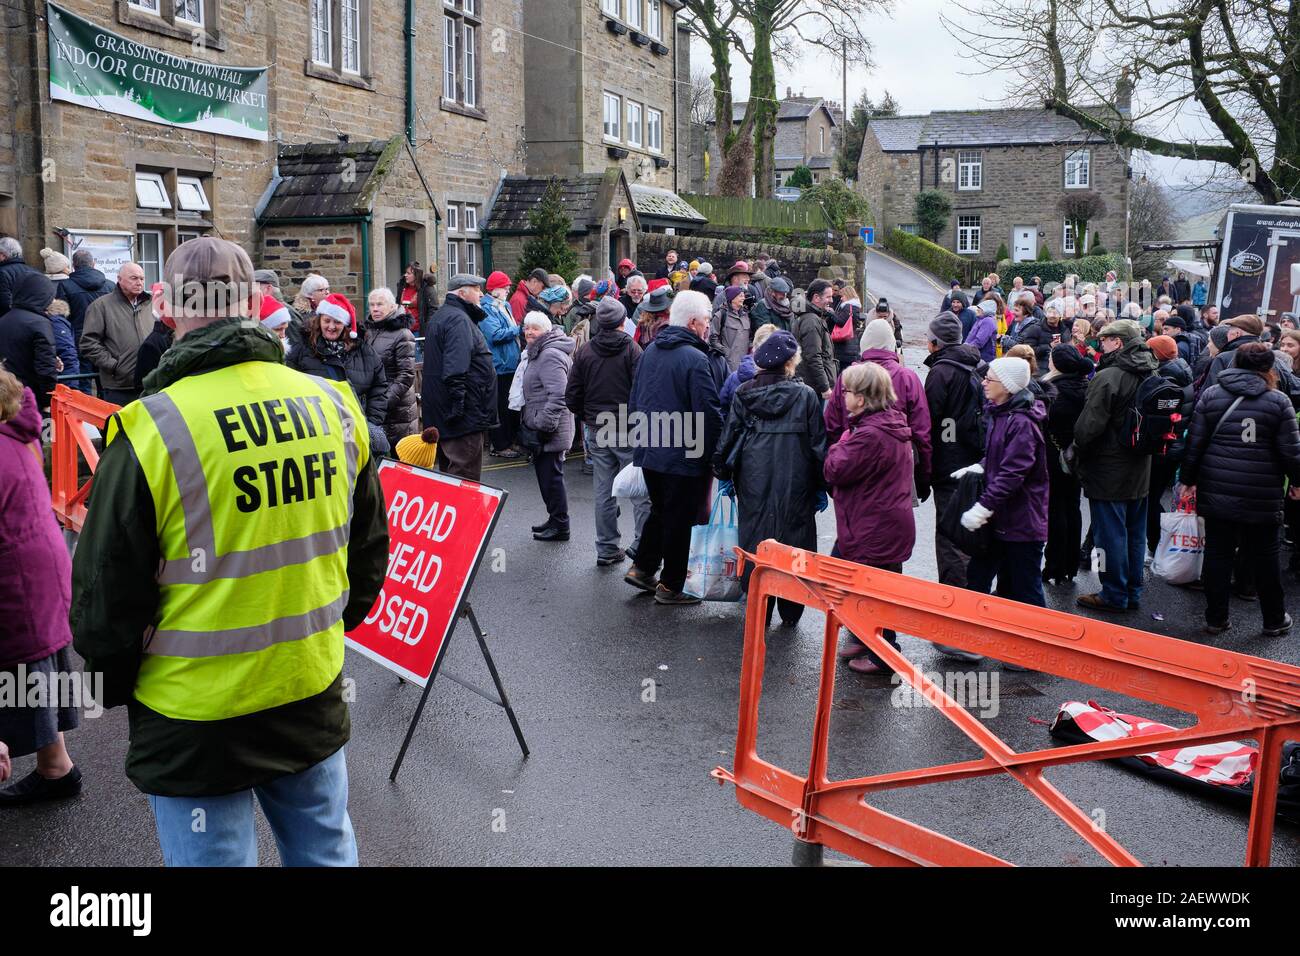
point(921, 64)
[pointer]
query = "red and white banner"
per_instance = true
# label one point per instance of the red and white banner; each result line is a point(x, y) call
point(438, 529)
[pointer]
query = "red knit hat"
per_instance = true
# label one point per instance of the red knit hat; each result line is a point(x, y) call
point(339, 304)
point(498, 280)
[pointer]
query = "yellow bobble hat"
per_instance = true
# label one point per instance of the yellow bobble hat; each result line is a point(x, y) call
point(419, 450)
point(695, 264)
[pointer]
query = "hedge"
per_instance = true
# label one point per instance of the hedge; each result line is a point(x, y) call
point(1088, 269)
point(935, 258)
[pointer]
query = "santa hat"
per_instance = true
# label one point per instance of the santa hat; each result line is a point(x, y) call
point(338, 308)
point(655, 284)
point(274, 314)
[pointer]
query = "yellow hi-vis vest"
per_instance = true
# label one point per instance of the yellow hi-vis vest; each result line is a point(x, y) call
point(252, 469)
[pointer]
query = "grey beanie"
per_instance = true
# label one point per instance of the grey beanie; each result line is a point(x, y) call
point(610, 313)
point(946, 330)
point(1219, 336)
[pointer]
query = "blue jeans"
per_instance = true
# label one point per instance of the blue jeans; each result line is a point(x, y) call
point(1017, 565)
point(1119, 532)
point(308, 813)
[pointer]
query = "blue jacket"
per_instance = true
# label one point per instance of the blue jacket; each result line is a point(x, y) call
point(502, 335)
point(739, 377)
point(65, 346)
point(675, 375)
point(967, 318)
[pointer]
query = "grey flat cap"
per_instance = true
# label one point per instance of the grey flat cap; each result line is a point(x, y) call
point(462, 279)
point(268, 276)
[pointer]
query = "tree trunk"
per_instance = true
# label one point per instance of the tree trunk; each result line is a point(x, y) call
point(763, 104)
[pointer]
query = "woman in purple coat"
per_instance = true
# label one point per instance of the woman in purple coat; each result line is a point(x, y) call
point(35, 594)
point(1015, 487)
point(869, 471)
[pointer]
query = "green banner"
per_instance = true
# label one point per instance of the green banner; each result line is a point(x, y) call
point(94, 67)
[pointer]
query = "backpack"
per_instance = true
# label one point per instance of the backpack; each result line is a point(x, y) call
point(1150, 420)
point(971, 425)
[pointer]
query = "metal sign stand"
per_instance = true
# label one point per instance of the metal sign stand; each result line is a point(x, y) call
point(499, 698)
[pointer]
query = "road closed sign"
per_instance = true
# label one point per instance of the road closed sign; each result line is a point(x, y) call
point(438, 530)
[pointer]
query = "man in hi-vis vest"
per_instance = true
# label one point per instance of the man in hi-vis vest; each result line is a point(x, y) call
point(236, 529)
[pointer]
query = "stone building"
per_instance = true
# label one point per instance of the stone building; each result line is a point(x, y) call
point(160, 120)
point(605, 91)
point(1005, 172)
point(808, 130)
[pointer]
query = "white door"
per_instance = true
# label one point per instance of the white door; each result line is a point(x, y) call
point(1025, 244)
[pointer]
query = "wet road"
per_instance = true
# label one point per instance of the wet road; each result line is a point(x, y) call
point(617, 778)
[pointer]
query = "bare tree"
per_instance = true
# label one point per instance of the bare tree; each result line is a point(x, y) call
point(1225, 70)
point(1151, 220)
point(700, 98)
point(764, 32)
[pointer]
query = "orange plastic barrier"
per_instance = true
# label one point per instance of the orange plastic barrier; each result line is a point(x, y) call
point(1233, 696)
point(70, 410)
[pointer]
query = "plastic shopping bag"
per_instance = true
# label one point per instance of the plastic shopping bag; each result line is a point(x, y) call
point(711, 571)
point(630, 483)
point(1182, 545)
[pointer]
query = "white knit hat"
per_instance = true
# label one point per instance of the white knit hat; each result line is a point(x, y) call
point(1012, 372)
point(878, 334)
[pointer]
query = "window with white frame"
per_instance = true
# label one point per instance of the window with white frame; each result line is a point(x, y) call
point(151, 191)
point(470, 64)
point(970, 170)
point(449, 34)
point(612, 126)
point(149, 254)
point(911, 228)
point(611, 7)
point(464, 251)
point(190, 11)
point(1078, 170)
point(350, 25)
point(821, 139)
point(340, 39)
point(461, 30)
point(1068, 245)
point(321, 42)
point(148, 6)
point(190, 196)
point(634, 14)
point(968, 235)
point(654, 130)
point(654, 21)
point(633, 124)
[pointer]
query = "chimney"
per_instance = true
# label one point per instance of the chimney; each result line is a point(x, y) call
point(788, 92)
point(1124, 93)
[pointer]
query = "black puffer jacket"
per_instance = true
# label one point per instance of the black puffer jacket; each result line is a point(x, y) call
point(773, 447)
point(603, 370)
point(460, 381)
point(361, 368)
point(1071, 393)
point(13, 271)
point(1234, 478)
point(80, 289)
point(1038, 336)
point(394, 343)
point(27, 338)
point(947, 391)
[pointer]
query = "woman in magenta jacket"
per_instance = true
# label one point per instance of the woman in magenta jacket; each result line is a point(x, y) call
point(35, 594)
point(869, 471)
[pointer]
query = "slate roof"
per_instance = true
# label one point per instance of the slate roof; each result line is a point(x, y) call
point(313, 183)
point(520, 194)
point(1029, 127)
point(654, 203)
point(791, 108)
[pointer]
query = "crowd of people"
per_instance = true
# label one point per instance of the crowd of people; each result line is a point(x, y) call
point(1034, 398)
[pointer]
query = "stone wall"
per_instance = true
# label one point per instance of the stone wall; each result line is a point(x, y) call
point(800, 265)
point(332, 251)
point(68, 166)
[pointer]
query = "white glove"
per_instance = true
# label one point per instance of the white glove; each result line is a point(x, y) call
point(977, 517)
point(976, 469)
